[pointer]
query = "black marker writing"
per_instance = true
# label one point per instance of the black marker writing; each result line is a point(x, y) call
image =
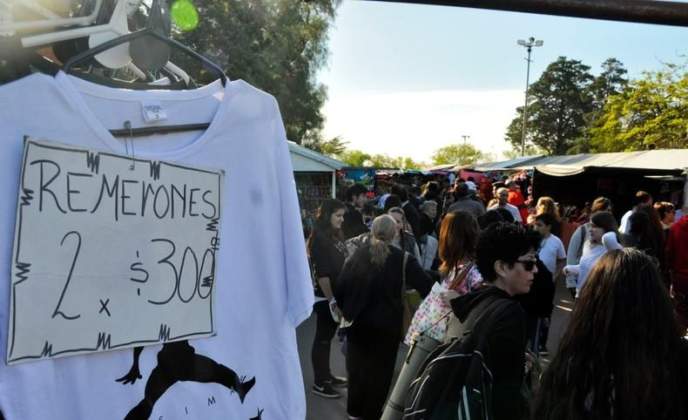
point(57, 310)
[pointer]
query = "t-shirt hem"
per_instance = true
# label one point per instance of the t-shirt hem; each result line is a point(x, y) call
point(297, 316)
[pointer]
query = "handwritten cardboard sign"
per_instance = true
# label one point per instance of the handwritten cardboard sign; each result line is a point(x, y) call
point(110, 252)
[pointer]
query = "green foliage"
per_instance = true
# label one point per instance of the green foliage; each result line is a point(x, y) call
point(558, 104)
point(611, 81)
point(276, 45)
point(355, 158)
point(359, 158)
point(458, 154)
point(530, 151)
point(332, 147)
point(651, 112)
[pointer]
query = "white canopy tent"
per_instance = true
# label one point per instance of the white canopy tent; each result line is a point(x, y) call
point(305, 160)
point(651, 162)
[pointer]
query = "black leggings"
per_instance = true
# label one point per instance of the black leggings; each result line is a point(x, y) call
point(325, 328)
point(370, 365)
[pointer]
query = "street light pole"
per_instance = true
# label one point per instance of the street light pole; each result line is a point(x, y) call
point(529, 47)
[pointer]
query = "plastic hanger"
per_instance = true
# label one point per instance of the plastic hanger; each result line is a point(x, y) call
point(149, 31)
point(116, 26)
point(51, 20)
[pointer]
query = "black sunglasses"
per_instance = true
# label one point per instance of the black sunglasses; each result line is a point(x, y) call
point(528, 265)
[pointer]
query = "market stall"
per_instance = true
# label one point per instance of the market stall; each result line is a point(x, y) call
point(315, 176)
point(579, 178)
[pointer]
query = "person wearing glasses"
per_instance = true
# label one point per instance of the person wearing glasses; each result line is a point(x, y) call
point(506, 256)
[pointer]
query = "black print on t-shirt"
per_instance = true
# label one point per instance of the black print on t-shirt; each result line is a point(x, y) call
point(178, 361)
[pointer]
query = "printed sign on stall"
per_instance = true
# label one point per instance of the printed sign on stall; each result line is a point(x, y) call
point(110, 251)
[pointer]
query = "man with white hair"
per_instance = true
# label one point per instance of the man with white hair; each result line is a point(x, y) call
point(503, 196)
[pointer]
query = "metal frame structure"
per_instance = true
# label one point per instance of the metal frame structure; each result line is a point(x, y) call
point(639, 11)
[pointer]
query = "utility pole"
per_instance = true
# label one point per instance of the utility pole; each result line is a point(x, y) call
point(529, 47)
point(465, 138)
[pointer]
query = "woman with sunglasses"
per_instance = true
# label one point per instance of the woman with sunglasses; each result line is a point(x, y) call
point(506, 256)
point(603, 238)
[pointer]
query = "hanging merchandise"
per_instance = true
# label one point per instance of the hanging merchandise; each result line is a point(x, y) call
point(158, 266)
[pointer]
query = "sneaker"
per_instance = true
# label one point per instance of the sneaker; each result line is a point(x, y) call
point(325, 390)
point(338, 381)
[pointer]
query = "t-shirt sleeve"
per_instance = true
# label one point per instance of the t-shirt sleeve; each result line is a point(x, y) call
point(320, 258)
point(574, 246)
point(296, 271)
point(561, 252)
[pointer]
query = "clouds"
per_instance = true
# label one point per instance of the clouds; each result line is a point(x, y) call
point(416, 123)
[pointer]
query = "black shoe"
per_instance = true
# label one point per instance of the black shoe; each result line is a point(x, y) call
point(338, 381)
point(245, 387)
point(325, 390)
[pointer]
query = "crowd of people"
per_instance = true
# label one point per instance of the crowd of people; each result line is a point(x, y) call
point(493, 265)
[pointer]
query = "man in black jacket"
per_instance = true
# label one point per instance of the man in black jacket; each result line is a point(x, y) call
point(507, 261)
point(353, 224)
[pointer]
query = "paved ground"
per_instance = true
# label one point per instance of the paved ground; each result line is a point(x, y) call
point(327, 409)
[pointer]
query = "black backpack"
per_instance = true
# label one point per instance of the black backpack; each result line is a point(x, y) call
point(454, 382)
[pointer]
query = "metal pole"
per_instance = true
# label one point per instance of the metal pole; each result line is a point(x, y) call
point(525, 105)
point(641, 11)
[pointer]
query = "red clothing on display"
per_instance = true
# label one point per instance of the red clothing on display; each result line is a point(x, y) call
point(677, 254)
point(677, 262)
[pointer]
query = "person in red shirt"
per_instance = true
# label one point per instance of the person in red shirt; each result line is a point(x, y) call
point(516, 199)
point(676, 255)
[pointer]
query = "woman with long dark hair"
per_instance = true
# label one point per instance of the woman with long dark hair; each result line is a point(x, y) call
point(370, 291)
point(327, 253)
point(622, 356)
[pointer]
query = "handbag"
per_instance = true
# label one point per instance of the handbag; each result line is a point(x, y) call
point(433, 310)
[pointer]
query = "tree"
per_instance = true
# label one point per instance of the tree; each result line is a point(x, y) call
point(277, 46)
point(359, 158)
point(332, 147)
point(611, 81)
point(530, 151)
point(651, 112)
point(558, 104)
point(458, 154)
point(355, 158)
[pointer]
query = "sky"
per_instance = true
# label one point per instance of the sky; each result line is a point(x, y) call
point(406, 79)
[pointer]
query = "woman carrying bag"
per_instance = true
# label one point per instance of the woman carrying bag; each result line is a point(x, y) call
point(370, 290)
point(458, 239)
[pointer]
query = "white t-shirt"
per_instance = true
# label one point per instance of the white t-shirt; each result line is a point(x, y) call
point(262, 288)
point(625, 226)
point(551, 250)
point(587, 262)
point(512, 209)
